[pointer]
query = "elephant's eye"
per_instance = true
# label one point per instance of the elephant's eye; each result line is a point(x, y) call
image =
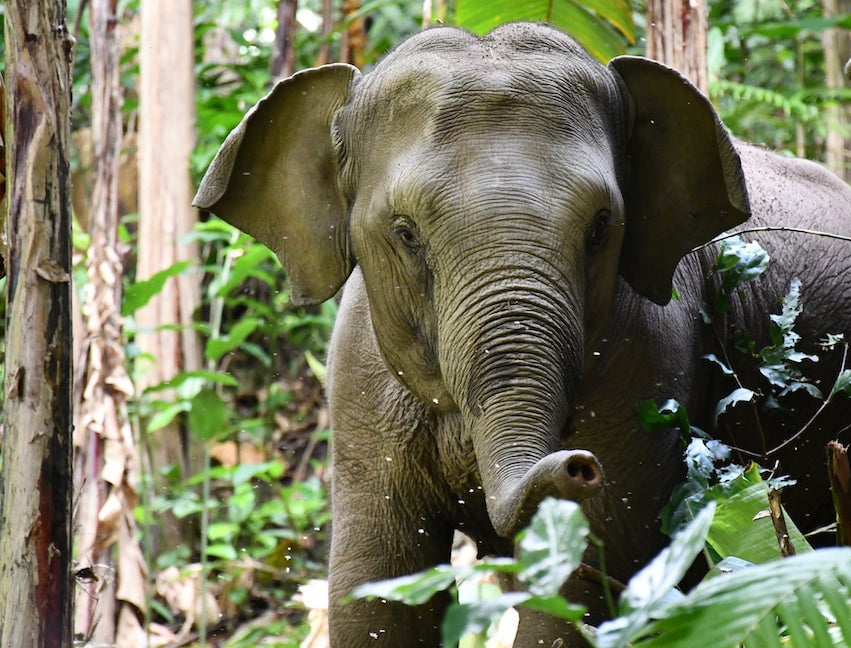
point(601, 226)
point(408, 237)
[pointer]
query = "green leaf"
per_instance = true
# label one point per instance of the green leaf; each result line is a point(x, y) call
point(186, 376)
point(247, 263)
point(216, 348)
point(316, 367)
point(140, 293)
point(742, 526)
point(736, 263)
point(842, 384)
point(414, 589)
point(222, 551)
point(724, 368)
point(792, 28)
point(649, 590)
point(220, 530)
point(791, 307)
point(551, 547)
point(208, 415)
point(601, 26)
point(185, 507)
point(740, 395)
point(248, 471)
point(472, 618)
point(741, 607)
point(555, 606)
point(669, 414)
point(164, 416)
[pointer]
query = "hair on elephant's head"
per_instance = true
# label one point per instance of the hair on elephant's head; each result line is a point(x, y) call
point(490, 189)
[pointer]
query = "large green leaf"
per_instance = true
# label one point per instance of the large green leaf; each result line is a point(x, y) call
point(551, 548)
point(602, 26)
point(807, 596)
point(652, 587)
point(208, 415)
point(141, 292)
point(413, 589)
point(742, 526)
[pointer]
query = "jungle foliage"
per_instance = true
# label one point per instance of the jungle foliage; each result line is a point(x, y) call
point(258, 508)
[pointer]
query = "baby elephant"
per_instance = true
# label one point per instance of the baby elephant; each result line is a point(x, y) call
point(509, 217)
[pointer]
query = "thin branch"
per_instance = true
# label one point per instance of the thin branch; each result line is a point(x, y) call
point(814, 416)
point(773, 228)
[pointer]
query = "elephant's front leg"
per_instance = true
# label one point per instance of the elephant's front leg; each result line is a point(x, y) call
point(385, 524)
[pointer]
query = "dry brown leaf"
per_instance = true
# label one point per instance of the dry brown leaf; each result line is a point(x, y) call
point(52, 271)
point(130, 632)
point(230, 454)
point(160, 636)
point(109, 521)
point(181, 591)
point(114, 462)
point(132, 571)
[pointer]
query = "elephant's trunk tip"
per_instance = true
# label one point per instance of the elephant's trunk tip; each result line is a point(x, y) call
point(567, 474)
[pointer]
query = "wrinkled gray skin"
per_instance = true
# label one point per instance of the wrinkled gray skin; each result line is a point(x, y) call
point(508, 217)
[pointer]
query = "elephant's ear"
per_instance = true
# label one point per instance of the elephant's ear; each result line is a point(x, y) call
point(275, 177)
point(685, 182)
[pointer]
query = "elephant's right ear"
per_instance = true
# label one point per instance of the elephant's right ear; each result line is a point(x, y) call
point(275, 177)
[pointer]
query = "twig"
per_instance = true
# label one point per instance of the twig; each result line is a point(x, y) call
point(779, 521)
point(823, 407)
point(773, 228)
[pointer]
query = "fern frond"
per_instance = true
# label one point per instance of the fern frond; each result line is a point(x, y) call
point(792, 106)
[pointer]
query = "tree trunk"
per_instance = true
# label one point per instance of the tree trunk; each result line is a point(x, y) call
point(676, 36)
point(35, 488)
point(166, 118)
point(324, 55)
point(354, 37)
point(283, 54)
point(105, 456)
point(837, 50)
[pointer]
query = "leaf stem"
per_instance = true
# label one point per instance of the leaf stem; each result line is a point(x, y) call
point(587, 572)
point(824, 405)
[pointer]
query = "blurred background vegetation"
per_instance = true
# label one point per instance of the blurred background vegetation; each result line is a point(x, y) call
point(231, 529)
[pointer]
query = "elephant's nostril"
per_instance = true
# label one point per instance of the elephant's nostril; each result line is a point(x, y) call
point(581, 469)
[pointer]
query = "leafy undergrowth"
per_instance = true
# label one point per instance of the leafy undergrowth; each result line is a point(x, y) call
point(803, 600)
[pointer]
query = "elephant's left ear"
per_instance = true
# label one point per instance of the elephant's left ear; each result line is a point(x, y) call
point(685, 183)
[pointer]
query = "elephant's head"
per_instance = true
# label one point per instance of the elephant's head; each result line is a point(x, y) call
point(490, 189)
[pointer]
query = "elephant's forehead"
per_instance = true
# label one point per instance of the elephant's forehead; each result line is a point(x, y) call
point(429, 78)
point(517, 71)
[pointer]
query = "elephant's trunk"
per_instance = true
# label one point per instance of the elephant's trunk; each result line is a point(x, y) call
point(520, 360)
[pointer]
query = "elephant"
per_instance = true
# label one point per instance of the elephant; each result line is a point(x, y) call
point(508, 220)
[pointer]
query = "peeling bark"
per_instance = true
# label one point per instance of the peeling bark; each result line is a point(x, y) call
point(35, 493)
point(106, 464)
